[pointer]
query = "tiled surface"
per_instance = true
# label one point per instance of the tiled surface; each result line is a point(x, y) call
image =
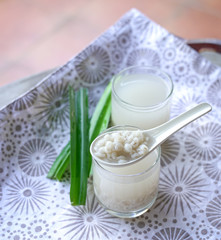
point(42, 34)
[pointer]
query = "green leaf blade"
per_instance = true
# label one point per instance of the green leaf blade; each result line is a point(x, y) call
point(60, 164)
point(80, 144)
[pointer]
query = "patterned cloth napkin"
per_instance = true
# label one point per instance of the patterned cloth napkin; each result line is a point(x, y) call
point(35, 128)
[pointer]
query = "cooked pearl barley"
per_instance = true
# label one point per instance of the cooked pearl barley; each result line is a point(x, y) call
point(109, 147)
point(128, 147)
point(118, 146)
point(121, 146)
point(142, 149)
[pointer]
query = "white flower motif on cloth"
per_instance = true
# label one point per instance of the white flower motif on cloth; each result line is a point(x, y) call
point(38, 229)
point(172, 234)
point(4, 115)
point(53, 106)
point(16, 234)
point(117, 56)
point(142, 227)
point(124, 40)
point(138, 226)
point(203, 232)
point(35, 227)
point(183, 101)
point(182, 47)
point(88, 222)
point(18, 128)
point(203, 66)
point(213, 212)
point(123, 23)
point(141, 25)
point(147, 31)
point(143, 56)
point(26, 101)
point(0, 187)
point(169, 151)
point(213, 169)
point(181, 68)
point(25, 195)
point(93, 65)
point(169, 54)
point(192, 81)
point(204, 143)
point(8, 148)
point(72, 77)
point(36, 157)
point(180, 190)
point(214, 93)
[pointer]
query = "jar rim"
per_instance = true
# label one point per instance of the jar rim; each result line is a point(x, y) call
point(99, 161)
point(135, 174)
point(137, 107)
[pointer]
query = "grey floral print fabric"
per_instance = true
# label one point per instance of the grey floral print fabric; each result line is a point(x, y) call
point(35, 128)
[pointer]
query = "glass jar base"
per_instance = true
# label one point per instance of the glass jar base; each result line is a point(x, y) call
point(130, 214)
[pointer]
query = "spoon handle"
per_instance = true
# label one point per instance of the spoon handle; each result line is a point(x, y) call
point(162, 132)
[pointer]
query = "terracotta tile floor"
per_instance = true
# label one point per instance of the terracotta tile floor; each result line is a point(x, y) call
point(42, 34)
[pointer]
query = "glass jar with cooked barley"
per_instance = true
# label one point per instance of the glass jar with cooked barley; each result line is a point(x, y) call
point(125, 176)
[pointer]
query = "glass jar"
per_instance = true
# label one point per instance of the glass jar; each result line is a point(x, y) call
point(141, 96)
point(130, 189)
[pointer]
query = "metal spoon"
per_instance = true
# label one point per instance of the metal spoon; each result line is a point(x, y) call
point(159, 134)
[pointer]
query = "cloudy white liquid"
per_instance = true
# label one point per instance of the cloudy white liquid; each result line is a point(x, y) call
point(125, 189)
point(146, 101)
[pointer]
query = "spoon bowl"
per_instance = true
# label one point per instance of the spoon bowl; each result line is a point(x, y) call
point(158, 135)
